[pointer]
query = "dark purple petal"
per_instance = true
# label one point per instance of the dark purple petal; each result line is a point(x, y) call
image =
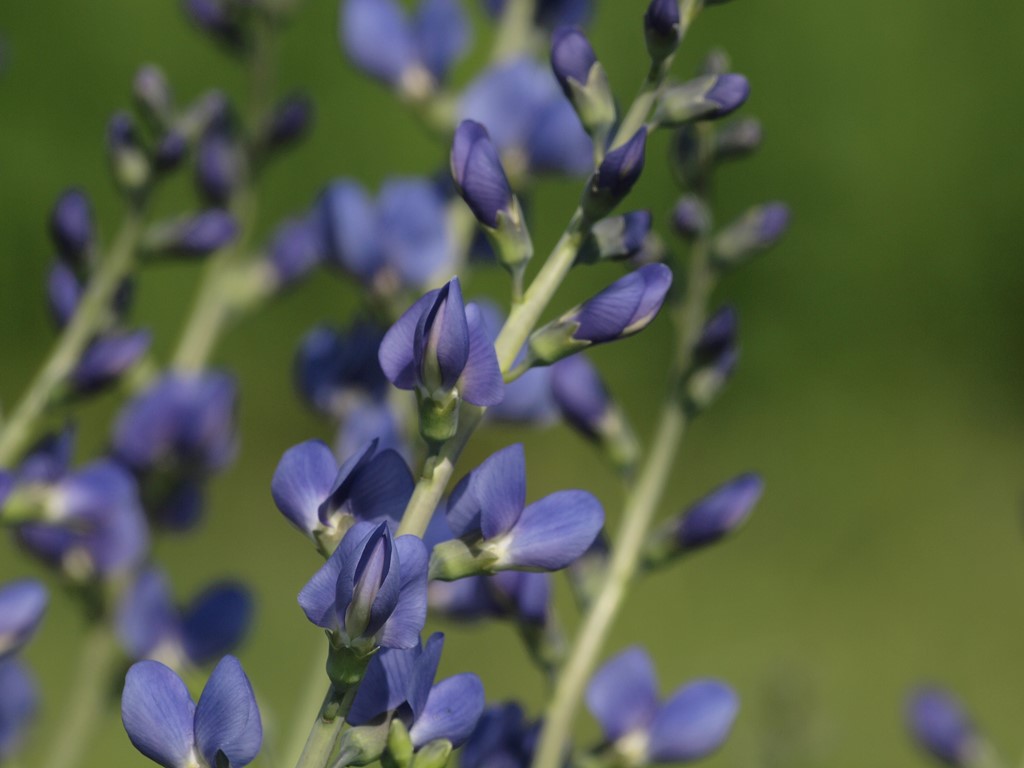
point(290, 120)
point(18, 704)
point(317, 598)
point(580, 394)
point(661, 21)
point(157, 712)
point(382, 488)
point(63, 292)
point(49, 459)
point(481, 382)
point(108, 358)
point(626, 306)
point(22, 604)
point(478, 173)
point(465, 599)
point(302, 482)
point(720, 512)
point(623, 694)
point(227, 718)
point(452, 711)
point(621, 167)
point(490, 499)
point(218, 167)
point(396, 355)
point(368, 602)
point(571, 58)
point(424, 671)
point(348, 226)
point(146, 615)
point(71, 225)
point(502, 739)
point(553, 532)
point(402, 628)
point(441, 343)
point(729, 92)
point(693, 723)
point(385, 685)
point(216, 622)
point(526, 595)
point(378, 37)
point(941, 726)
point(204, 233)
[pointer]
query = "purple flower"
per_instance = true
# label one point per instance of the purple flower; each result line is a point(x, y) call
point(150, 625)
point(22, 605)
point(529, 120)
point(63, 292)
point(720, 512)
point(478, 174)
point(400, 683)
point(169, 151)
point(198, 235)
point(707, 97)
point(108, 358)
point(503, 737)
point(332, 367)
point(165, 726)
point(440, 346)
point(756, 230)
point(323, 500)
point(412, 54)
point(616, 238)
point(939, 724)
point(18, 704)
point(519, 595)
point(487, 511)
point(94, 525)
point(615, 177)
point(71, 226)
point(691, 217)
point(551, 14)
point(295, 249)
point(289, 121)
point(399, 240)
point(571, 58)
point(661, 28)
point(219, 168)
point(217, 19)
point(716, 348)
point(372, 592)
point(692, 723)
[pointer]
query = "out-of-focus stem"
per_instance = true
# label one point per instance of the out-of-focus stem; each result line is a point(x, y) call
point(85, 703)
point(638, 513)
point(515, 29)
point(92, 314)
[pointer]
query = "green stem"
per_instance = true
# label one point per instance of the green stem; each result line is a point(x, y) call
point(92, 314)
point(309, 705)
point(521, 321)
point(516, 29)
point(638, 513)
point(323, 737)
point(86, 703)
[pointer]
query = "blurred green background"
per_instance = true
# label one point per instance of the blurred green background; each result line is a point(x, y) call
point(879, 390)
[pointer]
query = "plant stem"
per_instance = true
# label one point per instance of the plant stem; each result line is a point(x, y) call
point(638, 513)
point(323, 737)
point(516, 29)
point(86, 703)
point(521, 321)
point(309, 704)
point(92, 314)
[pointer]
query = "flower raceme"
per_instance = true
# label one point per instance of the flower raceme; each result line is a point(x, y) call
point(224, 728)
point(497, 530)
point(372, 592)
point(691, 724)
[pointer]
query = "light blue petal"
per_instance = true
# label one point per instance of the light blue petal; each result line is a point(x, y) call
point(227, 718)
point(378, 38)
point(553, 532)
point(157, 712)
point(396, 353)
point(481, 382)
point(302, 481)
point(403, 627)
point(694, 722)
point(623, 694)
point(452, 711)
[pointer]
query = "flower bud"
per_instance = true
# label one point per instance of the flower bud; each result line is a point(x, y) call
point(22, 604)
point(756, 230)
point(108, 358)
point(714, 358)
point(192, 236)
point(219, 167)
point(616, 238)
point(738, 138)
point(170, 150)
point(400, 748)
point(940, 726)
point(294, 251)
point(71, 227)
point(661, 29)
point(691, 217)
point(289, 122)
point(433, 754)
point(63, 292)
point(583, 80)
point(153, 96)
point(707, 97)
point(127, 158)
point(480, 180)
point(216, 19)
point(363, 744)
point(615, 177)
point(625, 307)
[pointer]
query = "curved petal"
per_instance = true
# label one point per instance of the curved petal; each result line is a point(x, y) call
point(302, 481)
point(146, 616)
point(402, 628)
point(378, 38)
point(341, 488)
point(396, 349)
point(623, 694)
point(348, 227)
point(481, 382)
point(216, 622)
point(227, 718)
point(694, 722)
point(490, 499)
point(382, 489)
point(157, 712)
point(423, 673)
point(19, 701)
point(605, 316)
point(318, 597)
point(22, 604)
point(442, 32)
point(553, 532)
point(452, 711)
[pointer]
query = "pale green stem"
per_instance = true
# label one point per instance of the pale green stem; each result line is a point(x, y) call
point(515, 30)
point(323, 737)
point(85, 704)
point(438, 469)
point(307, 708)
point(92, 314)
point(638, 513)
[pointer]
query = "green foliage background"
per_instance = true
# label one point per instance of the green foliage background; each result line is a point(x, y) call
point(879, 391)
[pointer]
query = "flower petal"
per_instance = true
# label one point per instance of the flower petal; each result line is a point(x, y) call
point(385, 686)
point(623, 694)
point(481, 382)
point(694, 722)
point(318, 597)
point(216, 622)
point(378, 38)
point(396, 354)
point(382, 489)
point(490, 499)
point(302, 481)
point(402, 628)
point(227, 718)
point(413, 228)
point(452, 711)
point(157, 712)
point(553, 532)
point(443, 32)
point(18, 704)
point(146, 616)
point(22, 604)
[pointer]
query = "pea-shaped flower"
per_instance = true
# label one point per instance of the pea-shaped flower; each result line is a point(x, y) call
point(162, 722)
point(22, 604)
point(497, 530)
point(372, 591)
point(691, 724)
point(624, 308)
point(440, 349)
